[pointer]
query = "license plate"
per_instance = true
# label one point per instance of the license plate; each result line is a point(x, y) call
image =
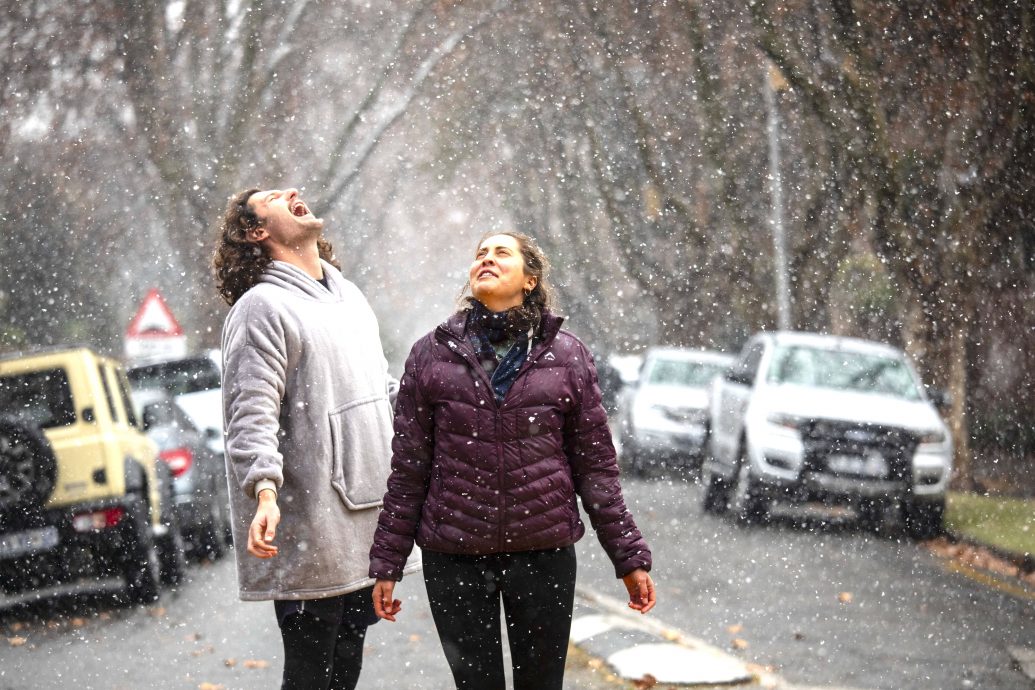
point(17, 544)
point(872, 465)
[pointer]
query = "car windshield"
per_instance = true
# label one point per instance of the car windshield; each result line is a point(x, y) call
point(681, 372)
point(179, 377)
point(41, 398)
point(843, 370)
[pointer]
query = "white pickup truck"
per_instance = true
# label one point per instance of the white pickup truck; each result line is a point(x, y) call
point(803, 417)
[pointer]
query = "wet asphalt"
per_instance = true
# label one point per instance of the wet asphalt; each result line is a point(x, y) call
point(811, 599)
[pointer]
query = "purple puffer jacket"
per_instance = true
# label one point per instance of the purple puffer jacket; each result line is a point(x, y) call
point(470, 476)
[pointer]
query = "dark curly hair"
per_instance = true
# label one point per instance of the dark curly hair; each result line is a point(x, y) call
point(540, 299)
point(238, 263)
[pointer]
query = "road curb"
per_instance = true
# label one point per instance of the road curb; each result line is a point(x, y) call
point(637, 646)
point(1025, 562)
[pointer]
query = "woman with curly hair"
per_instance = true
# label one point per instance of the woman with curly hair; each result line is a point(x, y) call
point(308, 430)
point(499, 428)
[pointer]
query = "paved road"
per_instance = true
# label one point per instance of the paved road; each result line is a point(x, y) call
point(202, 637)
point(822, 605)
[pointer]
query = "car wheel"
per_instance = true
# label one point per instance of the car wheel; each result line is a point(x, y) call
point(171, 551)
point(632, 457)
point(924, 519)
point(716, 493)
point(28, 468)
point(747, 503)
point(141, 565)
point(213, 534)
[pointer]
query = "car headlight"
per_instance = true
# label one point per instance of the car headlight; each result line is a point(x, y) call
point(937, 436)
point(787, 421)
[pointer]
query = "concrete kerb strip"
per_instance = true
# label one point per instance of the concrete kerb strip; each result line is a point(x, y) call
point(636, 646)
point(1025, 659)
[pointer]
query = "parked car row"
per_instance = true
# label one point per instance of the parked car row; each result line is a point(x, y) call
point(795, 418)
point(97, 480)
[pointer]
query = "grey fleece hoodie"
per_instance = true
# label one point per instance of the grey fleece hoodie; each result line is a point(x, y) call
point(305, 404)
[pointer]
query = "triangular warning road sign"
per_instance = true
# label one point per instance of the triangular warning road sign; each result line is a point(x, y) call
point(153, 319)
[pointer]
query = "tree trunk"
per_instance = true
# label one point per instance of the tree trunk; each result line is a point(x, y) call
point(959, 423)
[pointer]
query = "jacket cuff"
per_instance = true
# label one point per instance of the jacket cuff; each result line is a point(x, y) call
point(625, 567)
point(381, 570)
point(265, 484)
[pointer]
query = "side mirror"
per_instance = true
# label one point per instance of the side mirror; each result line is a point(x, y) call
point(735, 375)
point(88, 415)
point(212, 433)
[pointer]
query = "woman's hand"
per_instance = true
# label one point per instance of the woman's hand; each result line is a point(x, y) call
point(384, 606)
point(641, 590)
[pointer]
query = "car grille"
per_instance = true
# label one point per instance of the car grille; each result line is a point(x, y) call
point(852, 449)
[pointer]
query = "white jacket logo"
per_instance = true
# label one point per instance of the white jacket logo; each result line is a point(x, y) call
point(548, 357)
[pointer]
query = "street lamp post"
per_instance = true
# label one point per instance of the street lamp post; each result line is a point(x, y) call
point(773, 82)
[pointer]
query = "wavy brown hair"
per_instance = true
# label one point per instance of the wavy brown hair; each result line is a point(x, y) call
point(239, 263)
point(540, 299)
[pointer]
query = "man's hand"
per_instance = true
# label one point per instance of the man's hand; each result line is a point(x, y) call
point(264, 526)
point(641, 590)
point(384, 606)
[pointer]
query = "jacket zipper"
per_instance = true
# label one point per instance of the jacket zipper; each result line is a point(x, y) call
point(463, 348)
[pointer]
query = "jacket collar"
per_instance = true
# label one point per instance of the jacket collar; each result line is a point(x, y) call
point(456, 326)
point(297, 281)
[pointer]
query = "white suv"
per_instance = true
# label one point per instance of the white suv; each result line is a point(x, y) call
point(804, 417)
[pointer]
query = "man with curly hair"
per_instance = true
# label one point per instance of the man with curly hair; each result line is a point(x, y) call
point(308, 428)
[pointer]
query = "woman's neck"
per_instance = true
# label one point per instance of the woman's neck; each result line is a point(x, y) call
point(498, 305)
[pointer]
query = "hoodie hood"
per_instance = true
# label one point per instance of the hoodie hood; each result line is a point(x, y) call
point(295, 280)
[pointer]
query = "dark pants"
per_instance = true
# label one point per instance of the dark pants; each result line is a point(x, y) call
point(538, 591)
point(323, 640)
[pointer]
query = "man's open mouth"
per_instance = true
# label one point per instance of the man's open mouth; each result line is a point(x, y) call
point(483, 274)
point(299, 209)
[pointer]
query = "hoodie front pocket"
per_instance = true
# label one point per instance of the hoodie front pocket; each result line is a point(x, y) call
point(361, 440)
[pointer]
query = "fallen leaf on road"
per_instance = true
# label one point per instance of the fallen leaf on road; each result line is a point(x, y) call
point(105, 616)
point(670, 635)
point(156, 612)
point(211, 686)
point(230, 663)
point(203, 651)
point(738, 643)
point(594, 663)
point(414, 637)
point(648, 681)
point(77, 622)
point(734, 629)
point(256, 663)
point(15, 627)
point(845, 597)
point(16, 641)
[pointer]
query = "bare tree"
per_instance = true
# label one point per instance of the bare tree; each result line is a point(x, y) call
point(936, 204)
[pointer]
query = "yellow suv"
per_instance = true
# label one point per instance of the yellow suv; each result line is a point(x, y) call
point(80, 491)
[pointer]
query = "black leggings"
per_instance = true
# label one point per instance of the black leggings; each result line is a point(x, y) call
point(538, 592)
point(323, 640)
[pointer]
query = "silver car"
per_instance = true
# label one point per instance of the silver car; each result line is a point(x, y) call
point(804, 417)
point(199, 487)
point(663, 416)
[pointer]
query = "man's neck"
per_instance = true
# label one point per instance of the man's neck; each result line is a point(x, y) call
point(305, 257)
